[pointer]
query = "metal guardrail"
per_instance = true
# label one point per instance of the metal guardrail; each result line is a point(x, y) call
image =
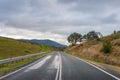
point(18, 58)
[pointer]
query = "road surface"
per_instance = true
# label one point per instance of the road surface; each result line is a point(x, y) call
point(59, 66)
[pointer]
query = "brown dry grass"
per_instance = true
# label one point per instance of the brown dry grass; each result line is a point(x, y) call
point(93, 52)
point(105, 66)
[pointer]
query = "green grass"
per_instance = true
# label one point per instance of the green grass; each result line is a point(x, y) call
point(9, 67)
point(12, 48)
point(44, 48)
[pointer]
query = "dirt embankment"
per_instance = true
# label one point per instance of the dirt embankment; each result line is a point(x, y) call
point(92, 50)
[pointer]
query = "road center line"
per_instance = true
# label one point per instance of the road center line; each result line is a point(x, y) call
point(59, 69)
point(60, 77)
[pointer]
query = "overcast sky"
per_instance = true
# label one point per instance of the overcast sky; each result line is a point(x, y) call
point(56, 19)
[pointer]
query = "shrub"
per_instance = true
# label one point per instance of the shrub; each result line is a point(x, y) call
point(107, 47)
point(98, 39)
point(27, 51)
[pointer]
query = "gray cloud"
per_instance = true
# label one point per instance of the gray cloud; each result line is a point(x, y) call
point(60, 17)
point(112, 19)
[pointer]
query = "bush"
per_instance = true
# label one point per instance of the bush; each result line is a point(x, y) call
point(106, 47)
point(27, 51)
point(98, 39)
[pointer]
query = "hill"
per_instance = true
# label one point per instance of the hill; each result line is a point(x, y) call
point(93, 49)
point(11, 48)
point(46, 42)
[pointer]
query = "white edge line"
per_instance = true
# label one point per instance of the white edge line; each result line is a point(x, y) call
point(19, 69)
point(98, 68)
point(14, 72)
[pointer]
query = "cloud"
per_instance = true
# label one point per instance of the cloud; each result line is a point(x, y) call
point(112, 19)
point(28, 34)
point(96, 10)
point(23, 18)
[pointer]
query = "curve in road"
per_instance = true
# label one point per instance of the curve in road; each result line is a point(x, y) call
point(59, 66)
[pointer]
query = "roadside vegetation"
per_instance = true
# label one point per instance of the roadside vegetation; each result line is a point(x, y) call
point(106, 47)
point(12, 66)
point(44, 48)
point(12, 48)
point(96, 47)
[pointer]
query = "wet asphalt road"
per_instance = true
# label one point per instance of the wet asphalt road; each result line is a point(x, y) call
point(59, 66)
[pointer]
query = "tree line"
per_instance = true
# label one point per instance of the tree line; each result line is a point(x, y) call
point(76, 37)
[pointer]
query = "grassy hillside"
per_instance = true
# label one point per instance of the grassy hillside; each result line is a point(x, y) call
point(11, 48)
point(93, 50)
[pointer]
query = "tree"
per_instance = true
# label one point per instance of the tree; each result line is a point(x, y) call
point(74, 38)
point(118, 31)
point(99, 34)
point(92, 35)
point(114, 32)
point(84, 37)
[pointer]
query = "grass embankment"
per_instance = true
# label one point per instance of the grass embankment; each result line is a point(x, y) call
point(12, 66)
point(12, 48)
point(93, 50)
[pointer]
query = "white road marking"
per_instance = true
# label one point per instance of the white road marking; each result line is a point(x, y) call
point(58, 67)
point(58, 74)
point(98, 68)
point(17, 70)
point(55, 62)
point(39, 64)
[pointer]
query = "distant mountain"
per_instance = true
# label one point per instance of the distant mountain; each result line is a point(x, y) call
point(46, 42)
point(13, 48)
